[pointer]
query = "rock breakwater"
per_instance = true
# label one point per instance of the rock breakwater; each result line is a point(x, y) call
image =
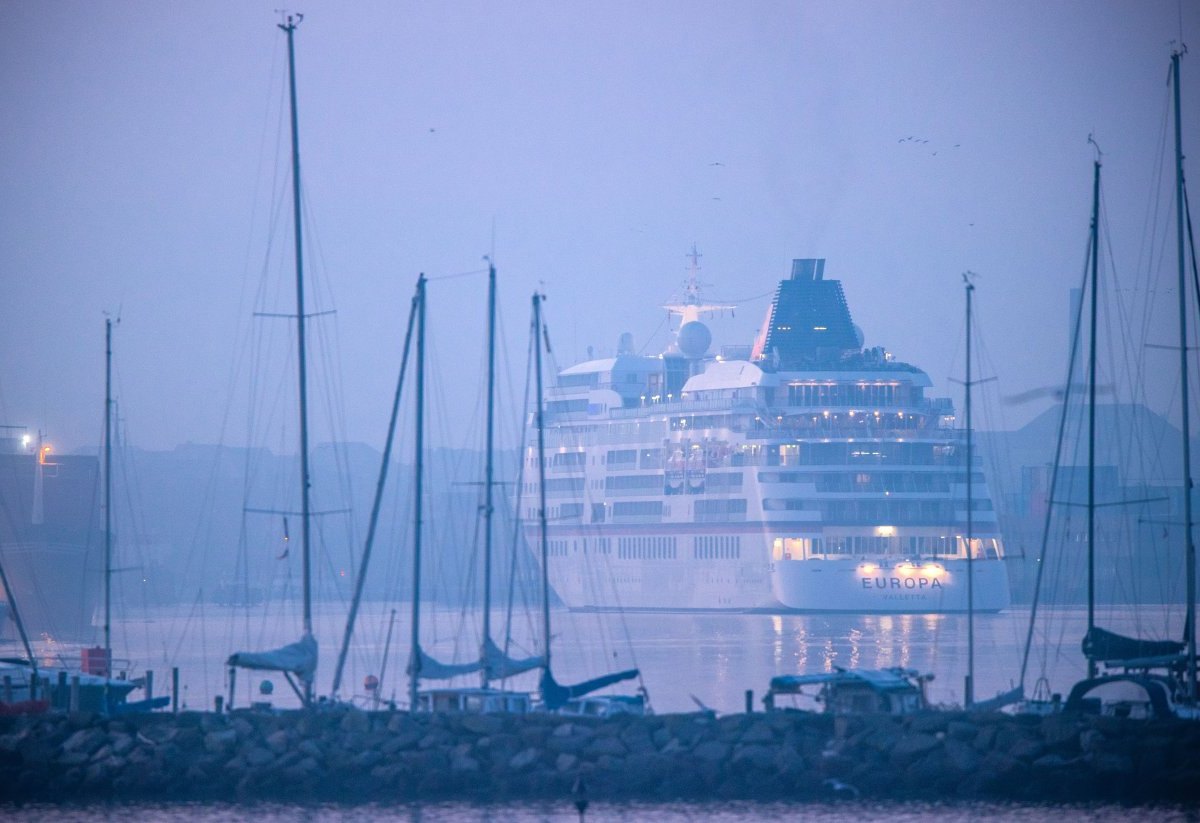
point(351, 756)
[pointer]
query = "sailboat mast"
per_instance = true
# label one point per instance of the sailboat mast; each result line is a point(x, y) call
point(969, 692)
point(414, 668)
point(107, 499)
point(488, 473)
point(541, 452)
point(1189, 542)
point(289, 28)
point(1091, 502)
point(373, 523)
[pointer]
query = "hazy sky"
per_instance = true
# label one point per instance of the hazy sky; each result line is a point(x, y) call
point(587, 145)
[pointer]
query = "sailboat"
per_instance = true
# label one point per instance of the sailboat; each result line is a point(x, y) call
point(91, 686)
point(491, 663)
point(555, 697)
point(297, 661)
point(1159, 674)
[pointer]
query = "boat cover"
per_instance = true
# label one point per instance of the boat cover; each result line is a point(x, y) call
point(495, 661)
point(555, 695)
point(880, 679)
point(427, 668)
point(1110, 647)
point(499, 665)
point(299, 658)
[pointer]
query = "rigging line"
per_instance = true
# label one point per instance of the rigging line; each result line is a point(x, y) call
point(743, 300)
point(1054, 479)
point(1187, 210)
point(616, 596)
point(1152, 219)
point(471, 273)
point(654, 333)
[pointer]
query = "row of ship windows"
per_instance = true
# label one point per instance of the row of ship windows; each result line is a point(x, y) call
point(720, 509)
point(651, 548)
point(865, 482)
point(860, 395)
point(799, 548)
point(716, 454)
point(884, 511)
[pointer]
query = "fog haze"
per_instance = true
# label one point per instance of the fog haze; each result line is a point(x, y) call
point(585, 147)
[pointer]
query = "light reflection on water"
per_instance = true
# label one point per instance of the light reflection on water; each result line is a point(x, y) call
point(732, 812)
point(716, 657)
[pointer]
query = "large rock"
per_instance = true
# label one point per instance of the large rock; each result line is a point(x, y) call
point(604, 746)
point(482, 724)
point(912, 746)
point(759, 732)
point(961, 756)
point(523, 759)
point(220, 742)
point(712, 751)
point(85, 741)
point(754, 755)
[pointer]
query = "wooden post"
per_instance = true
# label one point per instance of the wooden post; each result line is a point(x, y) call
point(232, 684)
point(175, 689)
point(749, 701)
point(8, 688)
point(149, 687)
point(219, 703)
point(60, 692)
point(75, 693)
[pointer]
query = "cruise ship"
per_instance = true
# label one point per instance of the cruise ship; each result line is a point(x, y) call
point(804, 472)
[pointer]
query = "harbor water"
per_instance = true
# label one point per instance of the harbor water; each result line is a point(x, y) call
point(686, 659)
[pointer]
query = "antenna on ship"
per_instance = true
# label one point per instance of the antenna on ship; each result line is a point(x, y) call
point(690, 307)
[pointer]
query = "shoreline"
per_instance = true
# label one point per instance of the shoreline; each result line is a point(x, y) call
point(349, 756)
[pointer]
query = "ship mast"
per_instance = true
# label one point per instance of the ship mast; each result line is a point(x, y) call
point(1091, 488)
point(690, 307)
point(108, 498)
point(488, 474)
point(541, 462)
point(969, 691)
point(414, 666)
point(373, 523)
point(289, 28)
point(1189, 542)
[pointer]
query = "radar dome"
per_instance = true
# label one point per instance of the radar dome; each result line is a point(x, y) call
point(694, 339)
point(858, 335)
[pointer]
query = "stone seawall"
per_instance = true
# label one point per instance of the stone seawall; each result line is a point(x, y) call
point(352, 756)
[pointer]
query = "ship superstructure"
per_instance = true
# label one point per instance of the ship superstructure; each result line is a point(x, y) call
point(805, 472)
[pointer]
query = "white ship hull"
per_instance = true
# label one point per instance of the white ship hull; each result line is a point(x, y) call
point(604, 582)
point(890, 587)
point(883, 586)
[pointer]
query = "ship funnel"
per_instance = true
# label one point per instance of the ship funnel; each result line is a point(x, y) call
point(625, 344)
point(808, 268)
